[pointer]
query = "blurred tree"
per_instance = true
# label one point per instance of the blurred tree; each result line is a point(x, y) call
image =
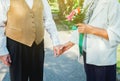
point(51, 1)
point(66, 6)
point(62, 7)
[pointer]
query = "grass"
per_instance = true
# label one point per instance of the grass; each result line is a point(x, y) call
point(118, 59)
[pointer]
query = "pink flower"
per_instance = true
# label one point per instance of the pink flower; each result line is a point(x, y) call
point(70, 17)
point(73, 13)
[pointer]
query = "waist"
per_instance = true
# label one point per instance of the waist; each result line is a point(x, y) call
point(11, 42)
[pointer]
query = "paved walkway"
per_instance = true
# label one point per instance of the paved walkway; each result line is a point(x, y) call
point(63, 68)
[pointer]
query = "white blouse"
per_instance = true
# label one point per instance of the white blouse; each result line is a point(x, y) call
point(99, 51)
point(49, 23)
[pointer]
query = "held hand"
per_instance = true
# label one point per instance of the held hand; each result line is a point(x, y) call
point(64, 47)
point(57, 50)
point(6, 59)
point(61, 50)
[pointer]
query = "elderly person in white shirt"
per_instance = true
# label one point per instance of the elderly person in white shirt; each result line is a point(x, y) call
point(102, 36)
point(22, 25)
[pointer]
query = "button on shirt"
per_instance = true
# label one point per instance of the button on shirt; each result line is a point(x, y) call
point(48, 23)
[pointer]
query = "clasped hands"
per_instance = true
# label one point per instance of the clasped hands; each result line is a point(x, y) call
point(60, 49)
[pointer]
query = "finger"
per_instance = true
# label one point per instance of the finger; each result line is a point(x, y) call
point(56, 52)
point(6, 62)
point(80, 31)
point(61, 47)
point(59, 51)
point(9, 59)
point(79, 24)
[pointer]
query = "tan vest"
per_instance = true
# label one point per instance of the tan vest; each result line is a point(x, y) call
point(25, 25)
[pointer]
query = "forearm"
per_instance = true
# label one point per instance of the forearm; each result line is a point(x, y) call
point(68, 45)
point(3, 48)
point(98, 32)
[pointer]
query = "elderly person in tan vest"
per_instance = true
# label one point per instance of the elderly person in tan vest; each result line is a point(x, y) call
point(22, 25)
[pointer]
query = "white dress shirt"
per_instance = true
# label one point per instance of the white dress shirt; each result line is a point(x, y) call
point(99, 51)
point(48, 23)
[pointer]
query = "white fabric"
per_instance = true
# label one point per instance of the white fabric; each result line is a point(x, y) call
point(99, 50)
point(92, 4)
point(48, 23)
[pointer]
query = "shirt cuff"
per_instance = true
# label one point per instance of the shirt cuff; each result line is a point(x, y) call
point(74, 38)
point(113, 38)
point(3, 51)
point(55, 41)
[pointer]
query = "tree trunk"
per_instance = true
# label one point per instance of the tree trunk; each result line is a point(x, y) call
point(62, 7)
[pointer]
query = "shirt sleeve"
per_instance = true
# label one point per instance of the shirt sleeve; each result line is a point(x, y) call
point(3, 18)
point(50, 24)
point(114, 23)
point(74, 38)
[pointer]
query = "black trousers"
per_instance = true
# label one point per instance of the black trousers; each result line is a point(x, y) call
point(99, 73)
point(27, 62)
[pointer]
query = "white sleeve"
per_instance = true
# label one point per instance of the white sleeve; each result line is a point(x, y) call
point(50, 24)
point(3, 18)
point(75, 37)
point(114, 23)
point(3, 48)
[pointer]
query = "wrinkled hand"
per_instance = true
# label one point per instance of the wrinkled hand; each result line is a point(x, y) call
point(83, 28)
point(63, 48)
point(57, 50)
point(6, 59)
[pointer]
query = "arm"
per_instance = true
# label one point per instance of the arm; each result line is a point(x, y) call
point(3, 49)
point(114, 23)
point(88, 29)
point(4, 54)
point(99, 32)
point(74, 39)
point(67, 46)
point(112, 31)
point(50, 26)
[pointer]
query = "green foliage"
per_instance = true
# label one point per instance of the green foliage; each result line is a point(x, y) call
point(81, 3)
point(72, 4)
point(52, 1)
point(118, 59)
point(78, 17)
